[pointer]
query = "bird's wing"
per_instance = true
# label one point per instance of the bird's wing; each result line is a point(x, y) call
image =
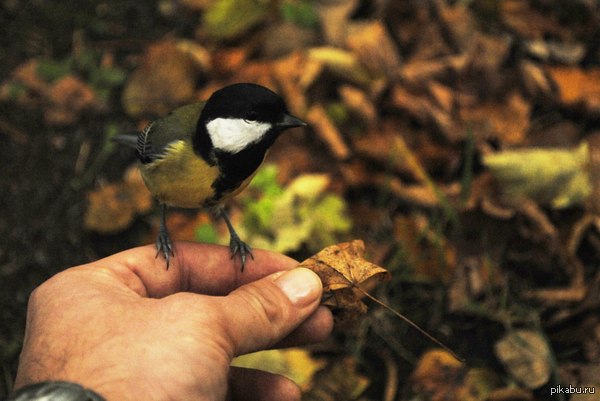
point(180, 124)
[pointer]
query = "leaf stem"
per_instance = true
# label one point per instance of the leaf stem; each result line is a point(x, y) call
point(411, 323)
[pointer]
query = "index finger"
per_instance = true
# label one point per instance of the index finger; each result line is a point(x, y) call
point(200, 268)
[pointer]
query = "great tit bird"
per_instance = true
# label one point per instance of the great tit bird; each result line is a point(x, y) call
point(203, 153)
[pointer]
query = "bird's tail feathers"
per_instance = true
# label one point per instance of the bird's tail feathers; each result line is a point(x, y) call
point(126, 139)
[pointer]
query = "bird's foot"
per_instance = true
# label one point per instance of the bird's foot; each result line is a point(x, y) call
point(237, 246)
point(164, 245)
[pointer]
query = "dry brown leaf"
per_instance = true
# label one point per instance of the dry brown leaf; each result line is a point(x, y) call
point(27, 74)
point(442, 94)
point(334, 18)
point(68, 98)
point(344, 272)
point(526, 356)
point(182, 225)
point(340, 380)
point(437, 376)
point(229, 60)
point(440, 377)
point(284, 38)
point(431, 43)
point(359, 103)
point(534, 78)
point(429, 253)
point(111, 208)
point(416, 72)
point(420, 106)
point(529, 22)
point(510, 394)
point(342, 63)
point(319, 120)
point(577, 86)
point(382, 145)
point(375, 49)
point(508, 121)
point(458, 22)
point(165, 79)
point(290, 73)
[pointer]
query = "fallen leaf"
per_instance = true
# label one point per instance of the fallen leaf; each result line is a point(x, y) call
point(359, 103)
point(535, 79)
point(339, 381)
point(526, 356)
point(510, 394)
point(428, 252)
point(166, 78)
point(528, 21)
point(284, 219)
point(458, 22)
point(334, 18)
point(111, 208)
point(342, 63)
point(228, 60)
point(558, 177)
point(346, 275)
point(68, 97)
point(294, 363)
point(294, 73)
point(577, 86)
point(437, 376)
point(550, 50)
point(227, 19)
point(507, 121)
point(477, 385)
point(319, 120)
point(375, 49)
point(284, 38)
point(420, 106)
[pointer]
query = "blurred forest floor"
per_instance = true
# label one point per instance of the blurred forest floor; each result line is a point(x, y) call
point(459, 139)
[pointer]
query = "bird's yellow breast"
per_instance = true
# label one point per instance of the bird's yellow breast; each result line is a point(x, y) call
point(180, 178)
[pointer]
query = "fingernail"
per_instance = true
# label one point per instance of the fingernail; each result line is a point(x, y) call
point(301, 286)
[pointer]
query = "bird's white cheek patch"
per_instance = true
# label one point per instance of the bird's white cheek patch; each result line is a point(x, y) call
point(234, 134)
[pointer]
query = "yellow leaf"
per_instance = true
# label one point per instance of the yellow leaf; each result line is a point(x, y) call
point(294, 363)
point(526, 355)
point(557, 177)
point(344, 272)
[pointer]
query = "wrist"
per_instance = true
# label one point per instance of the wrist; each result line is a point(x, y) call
point(55, 390)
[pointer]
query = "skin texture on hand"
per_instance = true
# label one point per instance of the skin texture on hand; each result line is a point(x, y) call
point(129, 329)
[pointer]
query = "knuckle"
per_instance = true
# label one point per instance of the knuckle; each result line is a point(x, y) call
point(266, 304)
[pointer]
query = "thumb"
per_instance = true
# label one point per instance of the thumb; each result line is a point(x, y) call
point(262, 313)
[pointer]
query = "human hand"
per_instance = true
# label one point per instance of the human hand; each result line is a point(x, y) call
point(128, 329)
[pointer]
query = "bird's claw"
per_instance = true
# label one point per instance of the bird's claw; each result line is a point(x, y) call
point(164, 245)
point(237, 246)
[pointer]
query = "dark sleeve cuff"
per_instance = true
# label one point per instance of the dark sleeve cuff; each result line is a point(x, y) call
point(55, 391)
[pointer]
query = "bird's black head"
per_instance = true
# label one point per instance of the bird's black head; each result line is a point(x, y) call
point(241, 115)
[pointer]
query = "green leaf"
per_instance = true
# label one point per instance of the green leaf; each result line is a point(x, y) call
point(206, 233)
point(107, 77)
point(283, 219)
point(301, 13)
point(226, 19)
point(51, 70)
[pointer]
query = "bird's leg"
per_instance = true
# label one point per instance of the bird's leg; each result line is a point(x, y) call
point(163, 241)
point(236, 245)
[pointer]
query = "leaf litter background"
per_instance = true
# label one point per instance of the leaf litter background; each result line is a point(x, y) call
point(459, 140)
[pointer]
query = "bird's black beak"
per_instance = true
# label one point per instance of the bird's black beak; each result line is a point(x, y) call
point(289, 121)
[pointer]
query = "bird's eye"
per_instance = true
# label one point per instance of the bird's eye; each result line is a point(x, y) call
point(251, 116)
